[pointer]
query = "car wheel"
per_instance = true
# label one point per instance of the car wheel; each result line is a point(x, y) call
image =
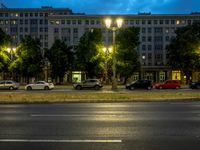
point(131, 88)
point(46, 88)
point(177, 87)
point(29, 88)
point(149, 88)
point(96, 87)
point(160, 87)
point(198, 86)
point(78, 87)
point(11, 88)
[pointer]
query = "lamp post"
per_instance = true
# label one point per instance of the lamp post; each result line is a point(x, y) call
point(114, 25)
point(143, 63)
point(106, 51)
point(11, 51)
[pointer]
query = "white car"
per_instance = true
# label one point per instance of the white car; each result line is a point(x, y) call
point(40, 85)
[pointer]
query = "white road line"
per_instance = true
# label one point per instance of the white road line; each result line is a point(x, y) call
point(72, 115)
point(59, 141)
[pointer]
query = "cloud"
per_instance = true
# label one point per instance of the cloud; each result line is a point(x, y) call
point(113, 6)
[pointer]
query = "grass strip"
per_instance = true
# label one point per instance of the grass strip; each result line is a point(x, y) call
point(13, 98)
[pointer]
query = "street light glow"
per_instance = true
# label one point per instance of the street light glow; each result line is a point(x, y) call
point(108, 22)
point(9, 50)
point(119, 22)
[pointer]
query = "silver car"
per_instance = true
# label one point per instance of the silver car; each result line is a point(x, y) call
point(9, 85)
point(89, 83)
point(40, 85)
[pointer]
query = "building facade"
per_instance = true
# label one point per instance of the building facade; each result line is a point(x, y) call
point(49, 24)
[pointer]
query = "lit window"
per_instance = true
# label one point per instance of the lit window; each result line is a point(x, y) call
point(177, 22)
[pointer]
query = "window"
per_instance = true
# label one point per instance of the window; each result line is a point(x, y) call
point(143, 39)
point(41, 21)
point(143, 21)
point(166, 21)
point(21, 14)
point(21, 29)
point(26, 21)
point(56, 30)
point(36, 14)
point(149, 21)
point(41, 29)
point(143, 47)
point(62, 21)
point(68, 21)
point(86, 22)
point(21, 21)
point(149, 30)
point(92, 22)
point(41, 14)
point(143, 30)
point(137, 22)
point(155, 21)
point(75, 30)
point(161, 21)
point(132, 22)
point(167, 38)
point(73, 22)
point(149, 47)
point(149, 39)
point(172, 21)
point(26, 14)
point(80, 22)
point(158, 30)
point(31, 14)
point(158, 38)
point(158, 47)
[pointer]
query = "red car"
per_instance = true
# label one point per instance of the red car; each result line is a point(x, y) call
point(169, 84)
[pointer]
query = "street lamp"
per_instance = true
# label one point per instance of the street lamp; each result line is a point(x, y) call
point(114, 25)
point(143, 63)
point(106, 51)
point(11, 51)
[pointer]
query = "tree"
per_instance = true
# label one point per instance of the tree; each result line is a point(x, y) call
point(4, 56)
point(29, 60)
point(127, 56)
point(61, 59)
point(89, 53)
point(184, 50)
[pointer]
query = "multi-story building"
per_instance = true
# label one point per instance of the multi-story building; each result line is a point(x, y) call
point(48, 24)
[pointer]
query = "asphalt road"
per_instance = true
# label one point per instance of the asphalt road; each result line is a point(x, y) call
point(101, 126)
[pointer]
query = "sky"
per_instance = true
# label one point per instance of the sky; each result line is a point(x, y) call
point(112, 6)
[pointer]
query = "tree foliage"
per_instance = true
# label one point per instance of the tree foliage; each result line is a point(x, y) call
point(184, 50)
point(89, 53)
point(61, 59)
point(29, 60)
point(127, 56)
point(4, 55)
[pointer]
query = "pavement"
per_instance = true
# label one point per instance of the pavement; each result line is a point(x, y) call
point(101, 126)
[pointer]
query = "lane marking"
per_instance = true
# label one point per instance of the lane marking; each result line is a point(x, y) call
point(72, 115)
point(59, 141)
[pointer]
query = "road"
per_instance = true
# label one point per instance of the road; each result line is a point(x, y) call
point(101, 126)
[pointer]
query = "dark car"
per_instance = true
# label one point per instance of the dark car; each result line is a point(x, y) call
point(195, 85)
point(9, 85)
point(168, 84)
point(140, 84)
point(89, 83)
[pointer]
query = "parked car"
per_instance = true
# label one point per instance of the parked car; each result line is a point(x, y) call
point(168, 84)
point(40, 85)
point(140, 84)
point(195, 85)
point(89, 83)
point(9, 84)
